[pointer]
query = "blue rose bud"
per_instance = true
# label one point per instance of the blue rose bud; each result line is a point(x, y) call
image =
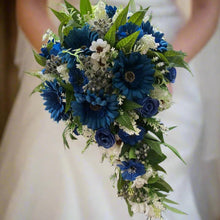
point(105, 138)
point(56, 48)
point(171, 75)
point(110, 11)
point(149, 107)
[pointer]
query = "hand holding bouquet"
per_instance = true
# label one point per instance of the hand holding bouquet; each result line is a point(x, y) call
point(106, 76)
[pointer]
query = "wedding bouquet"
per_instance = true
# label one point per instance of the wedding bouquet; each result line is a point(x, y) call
point(106, 76)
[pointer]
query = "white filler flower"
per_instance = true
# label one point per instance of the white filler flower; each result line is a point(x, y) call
point(139, 207)
point(147, 42)
point(99, 11)
point(64, 72)
point(139, 182)
point(100, 48)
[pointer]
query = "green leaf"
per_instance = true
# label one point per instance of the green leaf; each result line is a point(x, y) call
point(120, 20)
point(66, 86)
point(150, 137)
point(169, 47)
point(174, 151)
point(125, 121)
point(88, 143)
point(151, 53)
point(110, 35)
point(159, 134)
point(125, 148)
point(159, 168)
point(69, 99)
point(63, 17)
point(40, 59)
point(138, 16)
point(179, 62)
point(132, 154)
point(132, 6)
point(154, 145)
point(50, 45)
point(85, 7)
point(72, 24)
point(35, 74)
point(174, 209)
point(67, 29)
point(153, 180)
point(60, 31)
point(161, 194)
point(155, 158)
point(122, 17)
point(72, 137)
point(72, 9)
point(127, 43)
point(162, 185)
point(171, 128)
point(65, 142)
point(120, 182)
point(176, 59)
point(129, 208)
point(161, 56)
point(129, 105)
point(170, 201)
point(38, 88)
point(173, 53)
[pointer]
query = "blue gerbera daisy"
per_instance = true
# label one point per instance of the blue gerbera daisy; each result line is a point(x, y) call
point(148, 29)
point(131, 139)
point(131, 169)
point(95, 111)
point(52, 94)
point(110, 10)
point(67, 58)
point(78, 79)
point(133, 75)
point(128, 29)
point(46, 52)
point(80, 38)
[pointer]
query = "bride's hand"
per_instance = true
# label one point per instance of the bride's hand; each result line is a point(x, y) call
point(32, 17)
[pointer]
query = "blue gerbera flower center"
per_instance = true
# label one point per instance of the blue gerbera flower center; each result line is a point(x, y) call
point(95, 107)
point(129, 76)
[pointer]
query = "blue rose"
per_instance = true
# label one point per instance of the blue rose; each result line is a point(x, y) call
point(105, 138)
point(149, 107)
point(171, 75)
point(110, 10)
point(132, 139)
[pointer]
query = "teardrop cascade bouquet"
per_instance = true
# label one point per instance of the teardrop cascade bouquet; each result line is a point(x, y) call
point(106, 75)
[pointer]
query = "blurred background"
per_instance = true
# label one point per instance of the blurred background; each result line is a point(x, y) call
point(9, 82)
point(8, 72)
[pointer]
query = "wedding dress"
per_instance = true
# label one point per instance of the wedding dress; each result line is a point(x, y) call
point(39, 179)
point(206, 182)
